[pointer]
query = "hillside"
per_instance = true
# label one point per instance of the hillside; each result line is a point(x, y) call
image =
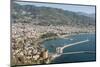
point(49, 16)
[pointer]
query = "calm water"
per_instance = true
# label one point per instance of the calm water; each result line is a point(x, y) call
point(87, 46)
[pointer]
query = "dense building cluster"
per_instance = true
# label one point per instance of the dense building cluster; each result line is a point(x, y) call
point(26, 48)
point(27, 45)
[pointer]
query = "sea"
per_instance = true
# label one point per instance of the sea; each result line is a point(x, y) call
point(52, 44)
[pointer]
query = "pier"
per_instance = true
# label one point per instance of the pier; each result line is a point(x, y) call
point(77, 52)
point(59, 50)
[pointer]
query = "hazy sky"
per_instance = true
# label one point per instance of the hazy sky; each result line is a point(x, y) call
point(74, 8)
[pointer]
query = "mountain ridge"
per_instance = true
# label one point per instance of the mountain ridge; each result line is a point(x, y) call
point(49, 16)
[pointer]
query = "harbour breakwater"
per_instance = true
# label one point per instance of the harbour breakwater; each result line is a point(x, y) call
point(59, 50)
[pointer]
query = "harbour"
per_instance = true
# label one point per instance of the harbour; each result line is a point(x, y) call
point(82, 44)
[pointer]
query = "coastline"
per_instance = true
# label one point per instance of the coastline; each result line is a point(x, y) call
point(54, 56)
point(33, 33)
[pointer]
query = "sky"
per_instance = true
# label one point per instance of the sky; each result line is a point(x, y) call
point(74, 8)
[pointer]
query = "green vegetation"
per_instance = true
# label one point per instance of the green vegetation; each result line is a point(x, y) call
point(48, 35)
point(49, 16)
point(33, 25)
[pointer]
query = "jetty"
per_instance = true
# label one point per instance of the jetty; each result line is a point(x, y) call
point(59, 50)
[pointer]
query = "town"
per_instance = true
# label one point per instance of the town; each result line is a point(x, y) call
point(27, 38)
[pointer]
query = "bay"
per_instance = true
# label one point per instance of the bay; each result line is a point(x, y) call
point(51, 45)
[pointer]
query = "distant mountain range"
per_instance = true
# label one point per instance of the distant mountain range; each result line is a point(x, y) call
point(50, 16)
point(92, 15)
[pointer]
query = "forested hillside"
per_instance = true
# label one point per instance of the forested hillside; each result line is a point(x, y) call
point(49, 16)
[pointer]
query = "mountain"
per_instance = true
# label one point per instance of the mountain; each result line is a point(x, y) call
point(49, 16)
point(92, 15)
